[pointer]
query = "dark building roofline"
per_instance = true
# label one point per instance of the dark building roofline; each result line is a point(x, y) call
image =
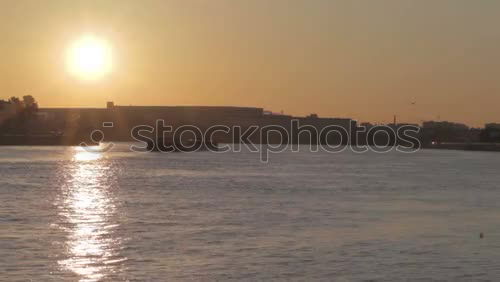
point(231, 109)
point(188, 107)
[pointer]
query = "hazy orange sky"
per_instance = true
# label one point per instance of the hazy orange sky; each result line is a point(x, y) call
point(362, 59)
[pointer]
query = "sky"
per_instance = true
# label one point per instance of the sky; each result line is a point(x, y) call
point(367, 60)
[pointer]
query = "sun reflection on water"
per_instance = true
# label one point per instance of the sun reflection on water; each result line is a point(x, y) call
point(87, 154)
point(87, 208)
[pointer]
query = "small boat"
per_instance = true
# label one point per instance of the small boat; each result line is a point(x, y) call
point(189, 145)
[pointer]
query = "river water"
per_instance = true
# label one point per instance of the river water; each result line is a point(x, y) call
point(70, 215)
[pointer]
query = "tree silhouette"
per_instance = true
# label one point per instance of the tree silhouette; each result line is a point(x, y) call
point(23, 111)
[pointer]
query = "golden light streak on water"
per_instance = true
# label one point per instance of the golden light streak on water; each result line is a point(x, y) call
point(87, 154)
point(86, 207)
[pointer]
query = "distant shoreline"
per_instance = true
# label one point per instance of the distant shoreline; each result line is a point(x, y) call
point(55, 140)
point(480, 147)
point(41, 140)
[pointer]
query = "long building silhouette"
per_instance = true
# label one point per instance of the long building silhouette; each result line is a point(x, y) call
point(82, 121)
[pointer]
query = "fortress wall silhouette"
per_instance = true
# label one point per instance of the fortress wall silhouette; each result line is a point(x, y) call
point(82, 121)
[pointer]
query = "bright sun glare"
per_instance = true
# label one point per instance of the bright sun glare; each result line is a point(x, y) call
point(89, 58)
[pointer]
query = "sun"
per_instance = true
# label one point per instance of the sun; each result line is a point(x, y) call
point(89, 58)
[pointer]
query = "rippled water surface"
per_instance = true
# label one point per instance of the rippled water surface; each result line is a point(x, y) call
point(69, 215)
